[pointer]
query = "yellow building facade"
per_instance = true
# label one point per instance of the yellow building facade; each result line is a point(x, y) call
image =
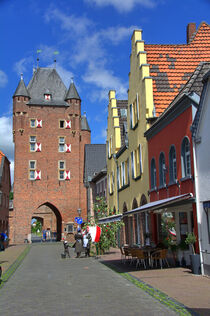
point(127, 164)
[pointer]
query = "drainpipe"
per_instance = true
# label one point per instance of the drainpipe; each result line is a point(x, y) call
point(198, 208)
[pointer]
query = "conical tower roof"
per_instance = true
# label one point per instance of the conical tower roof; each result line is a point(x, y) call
point(72, 93)
point(84, 124)
point(21, 89)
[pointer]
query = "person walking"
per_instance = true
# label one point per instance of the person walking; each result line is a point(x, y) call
point(66, 249)
point(87, 242)
point(79, 242)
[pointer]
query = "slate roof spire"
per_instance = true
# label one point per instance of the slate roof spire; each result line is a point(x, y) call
point(72, 92)
point(21, 89)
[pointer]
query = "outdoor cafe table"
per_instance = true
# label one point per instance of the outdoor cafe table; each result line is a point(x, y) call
point(148, 250)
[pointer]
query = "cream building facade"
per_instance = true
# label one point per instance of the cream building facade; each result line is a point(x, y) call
point(127, 164)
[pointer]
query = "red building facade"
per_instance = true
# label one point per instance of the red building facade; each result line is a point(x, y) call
point(49, 136)
point(171, 161)
point(5, 187)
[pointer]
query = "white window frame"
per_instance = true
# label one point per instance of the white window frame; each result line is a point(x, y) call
point(32, 141)
point(61, 169)
point(32, 169)
point(61, 143)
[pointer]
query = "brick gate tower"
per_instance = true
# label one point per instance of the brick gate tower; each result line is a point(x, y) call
point(49, 135)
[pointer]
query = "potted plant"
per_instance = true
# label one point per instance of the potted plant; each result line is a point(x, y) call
point(195, 258)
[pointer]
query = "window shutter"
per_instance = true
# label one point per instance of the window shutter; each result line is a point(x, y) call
point(37, 175)
point(67, 148)
point(140, 159)
point(67, 175)
point(132, 164)
point(38, 123)
point(137, 105)
point(67, 124)
point(38, 147)
point(131, 116)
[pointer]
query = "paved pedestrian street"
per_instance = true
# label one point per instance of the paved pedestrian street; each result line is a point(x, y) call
point(45, 284)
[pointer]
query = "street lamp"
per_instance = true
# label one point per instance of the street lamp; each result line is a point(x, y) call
point(79, 211)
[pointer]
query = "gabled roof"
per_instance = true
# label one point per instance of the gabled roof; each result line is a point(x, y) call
point(21, 90)
point(47, 81)
point(194, 128)
point(192, 89)
point(171, 66)
point(72, 93)
point(95, 160)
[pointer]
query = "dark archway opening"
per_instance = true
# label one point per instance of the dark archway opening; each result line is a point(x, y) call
point(51, 222)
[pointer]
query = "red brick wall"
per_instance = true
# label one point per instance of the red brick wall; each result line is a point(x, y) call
point(66, 196)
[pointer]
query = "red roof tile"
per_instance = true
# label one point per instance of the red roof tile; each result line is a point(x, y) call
point(172, 65)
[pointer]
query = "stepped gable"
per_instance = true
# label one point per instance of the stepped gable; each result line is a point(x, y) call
point(47, 81)
point(171, 66)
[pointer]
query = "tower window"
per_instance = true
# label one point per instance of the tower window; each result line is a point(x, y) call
point(61, 170)
point(47, 97)
point(32, 143)
point(33, 123)
point(32, 167)
point(62, 124)
point(61, 144)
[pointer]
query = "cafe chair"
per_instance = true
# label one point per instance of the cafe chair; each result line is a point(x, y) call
point(127, 254)
point(159, 256)
point(122, 251)
point(141, 258)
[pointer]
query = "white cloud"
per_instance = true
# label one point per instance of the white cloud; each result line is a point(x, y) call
point(123, 6)
point(6, 143)
point(105, 80)
point(69, 23)
point(3, 79)
point(22, 65)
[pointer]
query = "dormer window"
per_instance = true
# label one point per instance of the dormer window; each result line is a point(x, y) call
point(47, 97)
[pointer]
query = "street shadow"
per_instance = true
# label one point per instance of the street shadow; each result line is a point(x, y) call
point(201, 311)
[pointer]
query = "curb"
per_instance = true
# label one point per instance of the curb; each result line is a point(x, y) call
point(9, 272)
point(163, 298)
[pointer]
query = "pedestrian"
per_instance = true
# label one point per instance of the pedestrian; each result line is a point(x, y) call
point(87, 242)
point(3, 237)
point(66, 249)
point(79, 242)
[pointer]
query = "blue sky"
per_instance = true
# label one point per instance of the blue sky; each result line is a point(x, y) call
point(93, 38)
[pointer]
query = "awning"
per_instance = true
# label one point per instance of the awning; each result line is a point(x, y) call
point(160, 204)
point(110, 219)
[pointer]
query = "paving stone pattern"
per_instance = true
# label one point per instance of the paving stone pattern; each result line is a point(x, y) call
point(45, 284)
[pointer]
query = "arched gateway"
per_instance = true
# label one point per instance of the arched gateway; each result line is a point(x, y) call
point(49, 135)
point(50, 221)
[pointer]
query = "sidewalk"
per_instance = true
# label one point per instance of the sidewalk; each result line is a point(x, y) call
point(191, 290)
point(10, 255)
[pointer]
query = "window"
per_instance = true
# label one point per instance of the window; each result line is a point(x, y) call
point(172, 165)
point(123, 113)
point(61, 123)
point(47, 97)
point(109, 147)
point(185, 158)
point(162, 170)
point(32, 143)
point(206, 206)
point(70, 228)
point(153, 174)
point(61, 144)
point(61, 170)
point(32, 169)
point(111, 182)
point(134, 113)
point(33, 123)
point(136, 162)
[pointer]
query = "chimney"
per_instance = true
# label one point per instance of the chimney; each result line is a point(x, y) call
point(191, 28)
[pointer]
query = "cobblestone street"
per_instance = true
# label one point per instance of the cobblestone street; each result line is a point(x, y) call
point(45, 284)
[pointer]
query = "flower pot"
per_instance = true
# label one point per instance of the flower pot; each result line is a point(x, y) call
point(196, 263)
